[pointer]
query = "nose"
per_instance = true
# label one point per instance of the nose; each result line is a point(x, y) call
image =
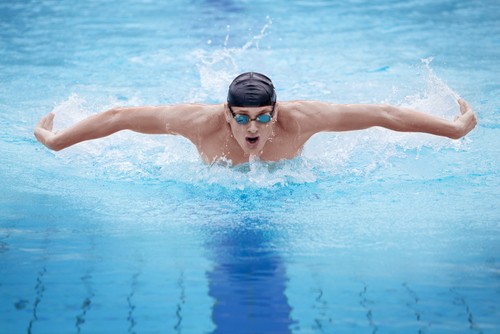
point(252, 127)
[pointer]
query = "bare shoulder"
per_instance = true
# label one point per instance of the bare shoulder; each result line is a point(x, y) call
point(305, 108)
point(194, 121)
point(305, 117)
point(291, 113)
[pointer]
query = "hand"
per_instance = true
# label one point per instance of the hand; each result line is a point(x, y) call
point(43, 130)
point(466, 121)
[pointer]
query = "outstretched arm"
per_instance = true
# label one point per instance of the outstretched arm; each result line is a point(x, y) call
point(180, 119)
point(337, 117)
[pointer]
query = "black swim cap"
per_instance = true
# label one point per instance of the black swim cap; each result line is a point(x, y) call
point(251, 89)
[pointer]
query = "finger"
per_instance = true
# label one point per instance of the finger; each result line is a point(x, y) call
point(47, 121)
point(464, 106)
point(41, 122)
point(50, 121)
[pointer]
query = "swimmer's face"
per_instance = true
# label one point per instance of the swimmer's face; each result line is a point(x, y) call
point(253, 135)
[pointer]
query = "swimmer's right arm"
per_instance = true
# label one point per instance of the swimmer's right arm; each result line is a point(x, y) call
point(175, 119)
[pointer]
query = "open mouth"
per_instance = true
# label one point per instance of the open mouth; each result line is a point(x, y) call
point(252, 140)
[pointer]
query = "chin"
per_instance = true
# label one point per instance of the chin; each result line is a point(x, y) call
point(253, 151)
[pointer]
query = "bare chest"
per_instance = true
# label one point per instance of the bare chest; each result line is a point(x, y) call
point(228, 149)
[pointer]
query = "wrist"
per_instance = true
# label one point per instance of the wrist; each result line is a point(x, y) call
point(50, 140)
point(457, 130)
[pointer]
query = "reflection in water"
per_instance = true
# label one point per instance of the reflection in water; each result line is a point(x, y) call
point(247, 281)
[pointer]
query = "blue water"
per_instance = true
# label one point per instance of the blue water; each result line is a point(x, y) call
point(366, 232)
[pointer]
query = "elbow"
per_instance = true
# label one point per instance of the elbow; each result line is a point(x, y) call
point(114, 112)
point(390, 117)
point(114, 120)
point(390, 112)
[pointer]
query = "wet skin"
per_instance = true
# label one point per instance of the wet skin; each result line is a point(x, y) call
point(218, 137)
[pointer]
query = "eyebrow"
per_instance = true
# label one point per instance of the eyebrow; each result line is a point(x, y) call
point(246, 111)
point(247, 114)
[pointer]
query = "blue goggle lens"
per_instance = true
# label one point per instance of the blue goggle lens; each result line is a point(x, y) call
point(245, 119)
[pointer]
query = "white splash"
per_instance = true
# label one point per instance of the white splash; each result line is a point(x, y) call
point(218, 67)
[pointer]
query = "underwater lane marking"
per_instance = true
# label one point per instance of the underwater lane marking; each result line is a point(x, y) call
point(180, 304)
point(87, 302)
point(39, 289)
point(460, 301)
point(364, 301)
point(413, 305)
point(131, 306)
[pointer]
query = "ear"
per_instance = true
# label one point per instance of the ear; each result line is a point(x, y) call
point(276, 112)
point(227, 113)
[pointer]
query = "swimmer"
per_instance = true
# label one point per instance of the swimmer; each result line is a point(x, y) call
point(252, 123)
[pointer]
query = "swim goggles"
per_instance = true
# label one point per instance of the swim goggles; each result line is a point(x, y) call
point(245, 119)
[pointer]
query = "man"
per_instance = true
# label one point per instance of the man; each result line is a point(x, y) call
point(252, 123)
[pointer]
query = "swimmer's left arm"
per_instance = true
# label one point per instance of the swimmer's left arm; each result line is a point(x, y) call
point(336, 117)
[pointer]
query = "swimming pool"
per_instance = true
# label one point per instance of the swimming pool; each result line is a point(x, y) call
point(366, 232)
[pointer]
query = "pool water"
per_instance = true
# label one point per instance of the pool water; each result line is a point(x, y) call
point(366, 232)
